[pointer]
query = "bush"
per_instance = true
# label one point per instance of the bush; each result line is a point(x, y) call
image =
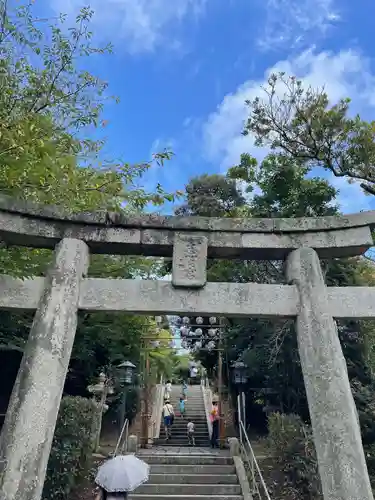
point(292, 446)
point(71, 451)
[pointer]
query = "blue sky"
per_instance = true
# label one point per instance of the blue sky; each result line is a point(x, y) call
point(183, 69)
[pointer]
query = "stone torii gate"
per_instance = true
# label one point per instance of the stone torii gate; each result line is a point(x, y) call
point(30, 421)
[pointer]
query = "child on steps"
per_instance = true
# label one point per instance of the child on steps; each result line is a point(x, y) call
point(182, 407)
point(190, 433)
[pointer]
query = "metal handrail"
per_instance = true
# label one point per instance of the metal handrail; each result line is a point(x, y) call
point(158, 410)
point(253, 464)
point(248, 456)
point(124, 444)
point(207, 399)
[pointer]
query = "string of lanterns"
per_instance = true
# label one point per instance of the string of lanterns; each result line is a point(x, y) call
point(194, 335)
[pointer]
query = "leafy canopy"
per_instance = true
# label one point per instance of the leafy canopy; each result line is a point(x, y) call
point(52, 125)
point(301, 123)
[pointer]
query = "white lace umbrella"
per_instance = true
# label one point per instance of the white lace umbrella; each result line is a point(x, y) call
point(122, 473)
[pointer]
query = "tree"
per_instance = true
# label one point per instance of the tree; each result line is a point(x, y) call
point(285, 189)
point(182, 368)
point(208, 194)
point(302, 123)
point(163, 355)
point(49, 111)
point(269, 348)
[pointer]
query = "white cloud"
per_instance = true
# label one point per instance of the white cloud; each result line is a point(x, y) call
point(344, 74)
point(143, 25)
point(290, 23)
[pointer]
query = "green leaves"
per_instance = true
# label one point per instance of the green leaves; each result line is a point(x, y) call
point(72, 446)
point(301, 123)
point(211, 195)
point(49, 107)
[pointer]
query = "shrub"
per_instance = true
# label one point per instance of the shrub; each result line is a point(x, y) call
point(292, 446)
point(71, 450)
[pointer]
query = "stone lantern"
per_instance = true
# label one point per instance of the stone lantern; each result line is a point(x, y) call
point(239, 375)
point(240, 378)
point(126, 373)
point(126, 370)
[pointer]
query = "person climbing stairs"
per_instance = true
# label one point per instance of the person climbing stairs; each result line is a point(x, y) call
point(194, 412)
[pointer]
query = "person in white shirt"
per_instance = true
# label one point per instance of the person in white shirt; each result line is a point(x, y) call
point(168, 414)
point(168, 390)
point(190, 433)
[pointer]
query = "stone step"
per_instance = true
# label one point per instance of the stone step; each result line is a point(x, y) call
point(192, 478)
point(178, 420)
point(177, 424)
point(183, 434)
point(182, 427)
point(183, 431)
point(187, 459)
point(197, 396)
point(201, 419)
point(191, 409)
point(135, 496)
point(190, 397)
point(182, 423)
point(185, 444)
point(189, 489)
point(188, 401)
point(174, 436)
point(221, 470)
point(191, 400)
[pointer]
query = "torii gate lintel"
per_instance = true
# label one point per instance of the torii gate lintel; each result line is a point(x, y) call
point(27, 433)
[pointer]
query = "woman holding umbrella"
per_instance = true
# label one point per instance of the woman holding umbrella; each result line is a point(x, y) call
point(119, 475)
point(104, 495)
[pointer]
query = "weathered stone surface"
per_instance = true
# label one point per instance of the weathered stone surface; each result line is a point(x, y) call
point(234, 447)
point(20, 295)
point(156, 297)
point(16, 206)
point(132, 443)
point(242, 478)
point(27, 433)
point(189, 266)
point(339, 242)
point(351, 302)
point(343, 302)
point(31, 225)
point(337, 435)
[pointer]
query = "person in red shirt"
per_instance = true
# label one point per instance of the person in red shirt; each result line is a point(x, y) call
point(214, 416)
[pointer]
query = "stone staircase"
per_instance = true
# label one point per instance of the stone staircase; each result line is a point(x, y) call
point(189, 477)
point(194, 410)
